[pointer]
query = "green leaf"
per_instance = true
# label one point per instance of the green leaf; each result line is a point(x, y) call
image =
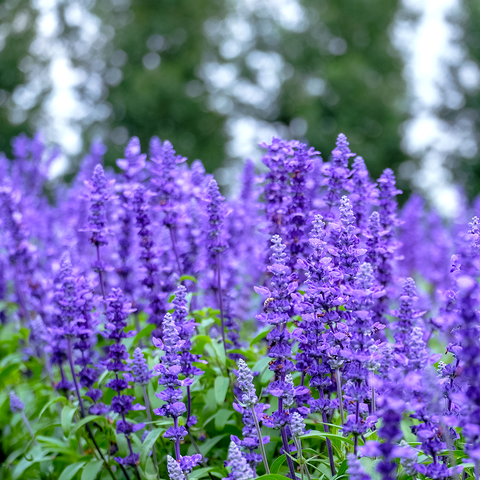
point(67, 417)
point(272, 477)
point(332, 436)
point(144, 333)
point(219, 353)
point(261, 365)
point(221, 418)
point(260, 336)
point(23, 464)
point(210, 443)
point(71, 470)
point(221, 389)
point(188, 277)
point(51, 402)
point(83, 421)
point(148, 444)
point(200, 472)
point(90, 472)
point(275, 467)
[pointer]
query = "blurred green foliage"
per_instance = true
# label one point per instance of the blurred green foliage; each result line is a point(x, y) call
point(336, 71)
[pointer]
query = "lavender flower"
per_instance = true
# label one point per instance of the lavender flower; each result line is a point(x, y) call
point(174, 470)
point(100, 194)
point(363, 192)
point(276, 184)
point(240, 470)
point(16, 405)
point(141, 373)
point(101, 190)
point(215, 235)
point(168, 370)
point(117, 319)
point(337, 172)
point(250, 400)
point(277, 310)
point(355, 469)
point(299, 206)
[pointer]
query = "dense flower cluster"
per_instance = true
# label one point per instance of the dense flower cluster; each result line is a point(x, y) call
point(308, 301)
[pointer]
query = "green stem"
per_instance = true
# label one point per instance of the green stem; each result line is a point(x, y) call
point(149, 416)
point(260, 440)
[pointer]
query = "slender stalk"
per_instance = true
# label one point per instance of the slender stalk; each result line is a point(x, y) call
point(177, 443)
point(283, 434)
point(175, 251)
point(339, 394)
point(149, 416)
point(29, 428)
point(129, 443)
point(189, 404)
point(329, 443)
point(220, 303)
point(260, 441)
point(82, 408)
point(102, 288)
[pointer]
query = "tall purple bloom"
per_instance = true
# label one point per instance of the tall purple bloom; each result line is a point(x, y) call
point(132, 165)
point(86, 328)
point(252, 413)
point(100, 193)
point(157, 279)
point(186, 328)
point(277, 311)
point(164, 179)
point(337, 172)
point(168, 371)
point(277, 184)
point(216, 244)
point(300, 203)
point(363, 192)
point(117, 313)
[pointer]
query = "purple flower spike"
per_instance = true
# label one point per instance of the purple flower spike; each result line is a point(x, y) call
point(337, 171)
point(297, 426)
point(363, 192)
point(100, 194)
point(245, 383)
point(355, 469)
point(134, 160)
point(240, 470)
point(141, 373)
point(215, 235)
point(174, 470)
point(16, 405)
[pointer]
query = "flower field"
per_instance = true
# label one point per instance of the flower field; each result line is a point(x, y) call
point(305, 328)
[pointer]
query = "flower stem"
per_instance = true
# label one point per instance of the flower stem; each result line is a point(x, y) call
point(175, 251)
point(283, 434)
point(177, 442)
point(220, 303)
point(149, 416)
point(339, 394)
point(102, 288)
point(329, 443)
point(29, 428)
point(260, 441)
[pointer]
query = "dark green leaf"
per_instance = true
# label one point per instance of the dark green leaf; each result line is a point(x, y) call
point(275, 467)
point(221, 389)
point(67, 416)
point(71, 470)
point(148, 444)
point(144, 333)
point(91, 470)
point(84, 421)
